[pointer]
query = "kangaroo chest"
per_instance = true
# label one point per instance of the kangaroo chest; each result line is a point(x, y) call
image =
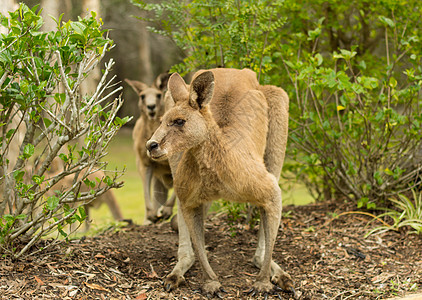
point(200, 182)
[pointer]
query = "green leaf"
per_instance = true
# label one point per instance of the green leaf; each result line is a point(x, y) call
point(18, 175)
point(52, 202)
point(28, 150)
point(47, 122)
point(393, 82)
point(38, 179)
point(378, 178)
point(386, 21)
point(107, 180)
point(82, 212)
point(78, 27)
point(371, 205)
point(319, 59)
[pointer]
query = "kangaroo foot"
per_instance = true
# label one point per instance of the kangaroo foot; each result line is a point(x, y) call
point(263, 287)
point(212, 289)
point(173, 281)
point(284, 281)
point(264, 290)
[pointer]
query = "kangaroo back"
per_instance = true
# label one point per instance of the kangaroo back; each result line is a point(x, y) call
point(278, 123)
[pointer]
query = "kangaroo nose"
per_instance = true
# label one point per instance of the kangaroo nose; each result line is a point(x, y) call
point(151, 107)
point(151, 145)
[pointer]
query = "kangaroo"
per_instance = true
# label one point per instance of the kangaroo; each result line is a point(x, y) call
point(155, 175)
point(225, 137)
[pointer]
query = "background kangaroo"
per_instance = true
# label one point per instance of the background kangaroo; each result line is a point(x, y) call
point(155, 175)
point(225, 138)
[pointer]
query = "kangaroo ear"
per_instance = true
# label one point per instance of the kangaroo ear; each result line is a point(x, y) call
point(137, 86)
point(161, 81)
point(177, 87)
point(201, 90)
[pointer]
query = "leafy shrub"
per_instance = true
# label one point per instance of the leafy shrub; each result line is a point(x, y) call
point(237, 34)
point(44, 118)
point(356, 129)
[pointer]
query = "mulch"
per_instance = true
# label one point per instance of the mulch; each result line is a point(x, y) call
point(327, 258)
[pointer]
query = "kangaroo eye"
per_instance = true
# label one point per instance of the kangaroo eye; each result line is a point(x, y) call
point(179, 122)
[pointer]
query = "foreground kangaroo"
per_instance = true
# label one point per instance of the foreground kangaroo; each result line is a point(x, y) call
point(225, 138)
point(155, 175)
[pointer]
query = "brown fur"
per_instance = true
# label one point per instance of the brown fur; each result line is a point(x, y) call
point(225, 138)
point(155, 175)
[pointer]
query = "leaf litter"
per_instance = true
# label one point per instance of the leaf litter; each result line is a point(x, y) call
point(327, 258)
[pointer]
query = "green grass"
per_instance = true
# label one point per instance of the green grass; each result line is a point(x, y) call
point(130, 196)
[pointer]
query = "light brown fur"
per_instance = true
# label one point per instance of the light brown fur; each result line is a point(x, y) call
point(225, 138)
point(155, 175)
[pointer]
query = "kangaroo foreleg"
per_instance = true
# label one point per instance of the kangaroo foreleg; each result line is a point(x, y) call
point(150, 209)
point(185, 255)
point(194, 218)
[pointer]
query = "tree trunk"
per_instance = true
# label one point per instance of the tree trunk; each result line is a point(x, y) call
point(5, 7)
point(90, 5)
point(145, 54)
point(89, 84)
point(50, 8)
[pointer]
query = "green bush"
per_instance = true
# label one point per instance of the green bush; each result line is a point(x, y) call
point(237, 34)
point(44, 118)
point(356, 112)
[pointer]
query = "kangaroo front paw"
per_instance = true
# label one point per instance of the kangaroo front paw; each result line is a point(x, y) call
point(151, 218)
point(165, 212)
point(173, 281)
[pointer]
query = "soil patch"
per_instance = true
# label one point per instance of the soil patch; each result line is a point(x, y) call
point(328, 259)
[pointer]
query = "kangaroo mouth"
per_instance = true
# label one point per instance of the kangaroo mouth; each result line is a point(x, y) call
point(157, 156)
point(151, 115)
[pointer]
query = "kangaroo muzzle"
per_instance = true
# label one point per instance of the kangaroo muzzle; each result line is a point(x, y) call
point(155, 152)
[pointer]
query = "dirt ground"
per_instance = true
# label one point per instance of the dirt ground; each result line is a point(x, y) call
point(328, 259)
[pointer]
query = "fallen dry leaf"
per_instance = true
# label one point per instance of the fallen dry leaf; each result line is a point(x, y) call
point(95, 286)
point(141, 296)
point(40, 282)
point(152, 274)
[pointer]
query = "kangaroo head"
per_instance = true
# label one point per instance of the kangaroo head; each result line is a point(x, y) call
point(185, 125)
point(151, 98)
